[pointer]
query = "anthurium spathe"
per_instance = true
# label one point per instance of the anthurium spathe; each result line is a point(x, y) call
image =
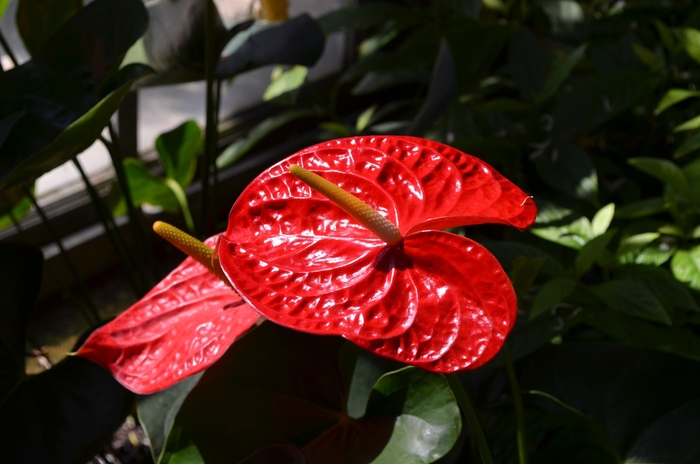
point(428, 298)
point(181, 327)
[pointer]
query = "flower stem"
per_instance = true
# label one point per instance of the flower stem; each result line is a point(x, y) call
point(518, 405)
point(364, 213)
point(470, 414)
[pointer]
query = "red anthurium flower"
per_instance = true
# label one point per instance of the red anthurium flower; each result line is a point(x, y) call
point(182, 326)
point(418, 294)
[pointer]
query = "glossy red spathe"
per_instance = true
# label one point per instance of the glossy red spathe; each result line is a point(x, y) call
point(181, 327)
point(438, 300)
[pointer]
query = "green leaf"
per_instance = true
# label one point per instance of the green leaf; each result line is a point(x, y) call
point(642, 208)
point(666, 171)
point(672, 438)
point(602, 219)
point(568, 169)
point(666, 35)
point(563, 15)
point(262, 393)
point(285, 81)
point(686, 266)
point(370, 15)
point(561, 71)
point(365, 117)
point(602, 97)
point(690, 124)
point(428, 420)
point(673, 96)
point(562, 226)
point(178, 150)
point(472, 62)
point(508, 252)
point(660, 282)
point(3, 6)
point(242, 146)
point(376, 81)
point(37, 20)
point(524, 273)
point(298, 41)
point(20, 210)
point(656, 254)
point(551, 293)
point(59, 107)
point(146, 188)
point(157, 413)
point(689, 145)
point(647, 57)
point(75, 139)
point(591, 251)
point(440, 92)
point(527, 61)
point(632, 298)
point(636, 242)
point(690, 41)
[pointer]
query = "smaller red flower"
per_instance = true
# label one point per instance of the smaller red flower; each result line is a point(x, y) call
point(433, 299)
point(181, 327)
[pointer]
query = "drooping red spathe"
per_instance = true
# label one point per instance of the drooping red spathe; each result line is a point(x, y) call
point(438, 300)
point(181, 327)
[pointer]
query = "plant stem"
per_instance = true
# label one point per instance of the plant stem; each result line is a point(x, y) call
point(8, 50)
point(111, 230)
point(470, 414)
point(91, 314)
point(518, 405)
point(210, 131)
point(182, 201)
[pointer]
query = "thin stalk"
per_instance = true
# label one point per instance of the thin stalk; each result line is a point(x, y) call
point(64, 289)
point(518, 405)
point(142, 247)
point(8, 50)
point(182, 201)
point(215, 170)
point(91, 314)
point(210, 131)
point(470, 414)
point(113, 234)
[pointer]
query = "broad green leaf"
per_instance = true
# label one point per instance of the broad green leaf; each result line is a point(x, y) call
point(672, 438)
point(647, 57)
point(591, 251)
point(602, 97)
point(655, 254)
point(157, 413)
point(602, 219)
point(524, 273)
point(561, 71)
point(178, 150)
point(37, 20)
point(527, 61)
point(62, 110)
point(20, 210)
point(686, 266)
point(690, 124)
point(368, 15)
point(636, 242)
point(562, 226)
point(428, 419)
point(495, 5)
point(242, 146)
point(666, 35)
point(690, 41)
point(646, 207)
point(659, 281)
point(145, 188)
point(472, 62)
point(374, 43)
point(666, 171)
point(298, 41)
point(365, 117)
point(568, 169)
point(3, 6)
point(285, 81)
point(690, 145)
point(507, 252)
point(440, 92)
point(673, 96)
point(263, 393)
point(551, 293)
point(376, 81)
point(632, 298)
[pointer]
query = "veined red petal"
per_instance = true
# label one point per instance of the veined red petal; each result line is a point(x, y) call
point(182, 326)
point(467, 305)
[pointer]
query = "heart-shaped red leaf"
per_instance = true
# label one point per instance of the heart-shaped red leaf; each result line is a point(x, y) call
point(182, 326)
point(438, 301)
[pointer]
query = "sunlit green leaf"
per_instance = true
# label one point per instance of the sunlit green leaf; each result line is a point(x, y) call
point(602, 219)
point(285, 81)
point(690, 124)
point(365, 117)
point(636, 242)
point(673, 96)
point(562, 225)
point(178, 150)
point(690, 41)
point(146, 188)
point(686, 266)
